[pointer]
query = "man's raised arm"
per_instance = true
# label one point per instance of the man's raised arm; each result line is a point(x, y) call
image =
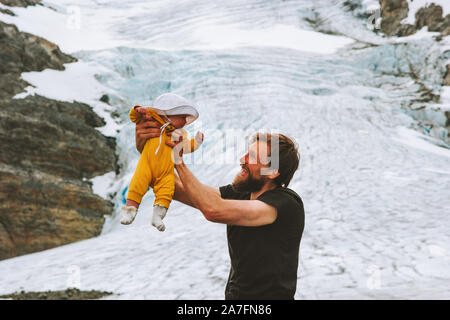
point(216, 209)
point(181, 195)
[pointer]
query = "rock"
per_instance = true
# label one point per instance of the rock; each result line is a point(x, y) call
point(447, 76)
point(7, 248)
point(10, 85)
point(7, 11)
point(405, 30)
point(55, 137)
point(392, 12)
point(430, 16)
point(49, 149)
point(104, 98)
point(68, 294)
point(21, 52)
point(445, 26)
point(40, 211)
point(351, 5)
point(20, 3)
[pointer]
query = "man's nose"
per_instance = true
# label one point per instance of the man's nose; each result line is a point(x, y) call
point(242, 159)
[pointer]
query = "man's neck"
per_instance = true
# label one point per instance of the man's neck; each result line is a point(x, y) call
point(266, 187)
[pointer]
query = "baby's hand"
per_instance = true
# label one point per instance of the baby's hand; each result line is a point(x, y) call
point(199, 137)
point(177, 134)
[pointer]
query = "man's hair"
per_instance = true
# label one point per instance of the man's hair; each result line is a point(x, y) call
point(289, 157)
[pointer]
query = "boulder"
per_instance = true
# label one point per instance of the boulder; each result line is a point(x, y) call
point(21, 52)
point(39, 211)
point(392, 13)
point(49, 150)
point(430, 16)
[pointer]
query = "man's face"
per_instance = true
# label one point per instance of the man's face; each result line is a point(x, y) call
point(249, 179)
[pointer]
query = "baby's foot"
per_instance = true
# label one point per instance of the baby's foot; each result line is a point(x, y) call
point(159, 212)
point(128, 214)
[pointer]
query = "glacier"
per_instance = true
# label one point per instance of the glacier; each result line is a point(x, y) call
point(374, 184)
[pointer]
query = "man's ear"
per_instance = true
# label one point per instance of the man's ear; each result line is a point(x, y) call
point(274, 175)
point(270, 173)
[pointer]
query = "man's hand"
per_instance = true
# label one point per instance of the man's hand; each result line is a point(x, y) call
point(143, 112)
point(145, 129)
point(177, 137)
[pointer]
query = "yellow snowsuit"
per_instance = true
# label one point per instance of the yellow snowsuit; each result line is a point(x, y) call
point(156, 170)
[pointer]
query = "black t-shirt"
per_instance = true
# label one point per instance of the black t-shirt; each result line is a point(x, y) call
point(264, 260)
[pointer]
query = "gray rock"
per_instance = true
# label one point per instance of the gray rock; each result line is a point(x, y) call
point(104, 98)
point(55, 137)
point(445, 26)
point(49, 148)
point(7, 11)
point(20, 3)
point(447, 76)
point(10, 85)
point(39, 211)
point(430, 16)
point(392, 12)
point(21, 51)
point(68, 294)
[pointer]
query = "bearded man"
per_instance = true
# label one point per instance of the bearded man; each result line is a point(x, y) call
point(264, 218)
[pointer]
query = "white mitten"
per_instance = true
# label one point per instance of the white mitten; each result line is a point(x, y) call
point(159, 212)
point(128, 214)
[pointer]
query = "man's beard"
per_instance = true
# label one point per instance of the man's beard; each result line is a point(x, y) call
point(249, 184)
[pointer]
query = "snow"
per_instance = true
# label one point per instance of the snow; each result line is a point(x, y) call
point(370, 5)
point(72, 26)
point(375, 191)
point(104, 185)
point(278, 36)
point(61, 28)
point(419, 35)
point(416, 140)
point(136, 263)
point(445, 96)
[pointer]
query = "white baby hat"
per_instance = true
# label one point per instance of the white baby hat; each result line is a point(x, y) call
point(171, 104)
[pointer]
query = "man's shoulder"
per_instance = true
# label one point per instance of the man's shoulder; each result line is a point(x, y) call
point(287, 195)
point(289, 205)
point(279, 195)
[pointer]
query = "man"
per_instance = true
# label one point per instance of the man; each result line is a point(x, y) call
point(264, 218)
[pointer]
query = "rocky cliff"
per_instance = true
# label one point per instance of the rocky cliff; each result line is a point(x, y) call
point(49, 149)
point(394, 11)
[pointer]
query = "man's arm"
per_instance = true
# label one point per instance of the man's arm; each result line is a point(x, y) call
point(181, 194)
point(216, 209)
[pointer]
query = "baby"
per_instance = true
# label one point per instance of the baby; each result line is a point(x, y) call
point(156, 165)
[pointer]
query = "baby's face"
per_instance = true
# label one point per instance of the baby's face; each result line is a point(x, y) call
point(178, 121)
